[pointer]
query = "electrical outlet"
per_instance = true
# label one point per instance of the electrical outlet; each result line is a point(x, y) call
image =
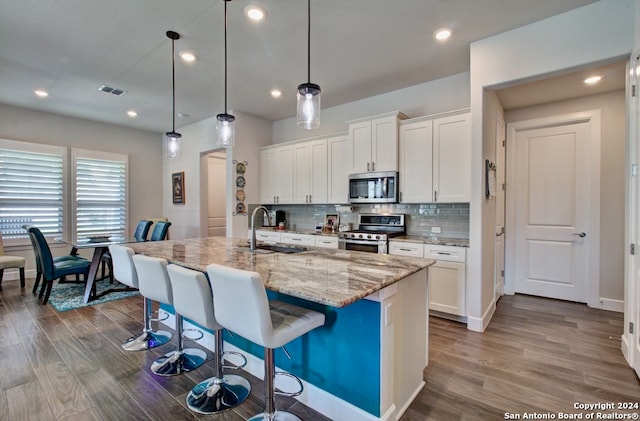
point(436, 230)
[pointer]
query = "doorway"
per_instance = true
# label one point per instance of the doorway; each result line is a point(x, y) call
point(217, 193)
point(554, 204)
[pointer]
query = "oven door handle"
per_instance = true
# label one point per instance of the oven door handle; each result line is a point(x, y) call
point(365, 242)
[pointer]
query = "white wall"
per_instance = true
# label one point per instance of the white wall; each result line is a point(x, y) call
point(595, 33)
point(198, 139)
point(612, 184)
point(446, 94)
point(143, 148)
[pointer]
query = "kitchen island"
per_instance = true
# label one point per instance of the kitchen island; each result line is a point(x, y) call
point(367, 361)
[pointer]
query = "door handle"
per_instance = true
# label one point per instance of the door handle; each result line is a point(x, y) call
point(580, 234)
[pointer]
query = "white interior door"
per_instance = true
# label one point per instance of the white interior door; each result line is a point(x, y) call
point(217, 217)
point(500, 219)
point(553, 210)
point(633, 288)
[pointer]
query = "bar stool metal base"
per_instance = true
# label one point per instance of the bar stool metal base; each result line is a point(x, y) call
point(146, 341)
point(178, 362)
point(278, 416)
point(216, 395)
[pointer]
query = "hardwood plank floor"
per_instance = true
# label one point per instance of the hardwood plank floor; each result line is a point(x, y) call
point(537, 355)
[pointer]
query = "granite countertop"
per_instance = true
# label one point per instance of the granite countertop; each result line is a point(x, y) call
point(331, 277)
point(441, 241)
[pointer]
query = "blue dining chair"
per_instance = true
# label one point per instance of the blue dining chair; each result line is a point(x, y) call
point(70, 257)
point(142, 230)
point(160, 231)
point(51, 269)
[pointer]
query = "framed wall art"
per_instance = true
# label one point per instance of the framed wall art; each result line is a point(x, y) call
point(177, 183)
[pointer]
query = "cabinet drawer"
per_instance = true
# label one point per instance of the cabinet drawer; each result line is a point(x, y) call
point(268, 236)
point(326, 242)
point(445, 253)
point(300, 239)
point(402, 248)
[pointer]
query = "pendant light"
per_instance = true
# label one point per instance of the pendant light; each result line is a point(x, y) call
point(173, 138)
point(225, 126)
point(308, 93)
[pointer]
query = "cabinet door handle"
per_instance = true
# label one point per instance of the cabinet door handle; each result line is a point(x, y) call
point(368, 164)
point(443, 253)
point(400, 196)
point(309, 198)
point(435, 196)
point(373, 166)
point(405, 249)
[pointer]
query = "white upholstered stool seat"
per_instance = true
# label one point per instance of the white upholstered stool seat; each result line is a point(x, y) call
point(241, 306)
point(11, 262)
point(192, 298)
point(125, 272)
point(154, 282)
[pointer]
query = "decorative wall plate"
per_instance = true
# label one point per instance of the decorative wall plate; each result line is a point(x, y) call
point(241, 208)
point(240, 195)
point(240, 181)
point(240, 168)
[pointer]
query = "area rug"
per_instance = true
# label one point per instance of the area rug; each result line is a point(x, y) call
point(66, 297)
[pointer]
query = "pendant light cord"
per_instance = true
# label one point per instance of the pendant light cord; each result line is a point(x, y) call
point(173, 83)
point(225, 56)
point(309, 41)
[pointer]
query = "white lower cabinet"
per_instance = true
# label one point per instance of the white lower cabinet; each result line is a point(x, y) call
point(447, 277)
point(323, 241)
point(298, 239)
point(267, 236)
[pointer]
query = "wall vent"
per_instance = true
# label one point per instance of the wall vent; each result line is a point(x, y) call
point(110, 90)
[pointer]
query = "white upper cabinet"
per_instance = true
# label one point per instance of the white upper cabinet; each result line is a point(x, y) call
point(276, 175)
point(452, 159)
point(310, 168)
point(339, 162)
point(435, 160)
point(374, 143)
point(416, 169)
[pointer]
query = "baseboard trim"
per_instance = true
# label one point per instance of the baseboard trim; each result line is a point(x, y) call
point(610, 305)
point(480, 324)
point(312, 396)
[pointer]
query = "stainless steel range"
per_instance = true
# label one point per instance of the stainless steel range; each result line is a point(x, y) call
point(373, 233)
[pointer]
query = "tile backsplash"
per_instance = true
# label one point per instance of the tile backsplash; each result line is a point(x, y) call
point(452, 218)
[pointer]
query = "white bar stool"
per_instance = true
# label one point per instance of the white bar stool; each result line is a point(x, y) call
point(241, 305)
point(153, 281)
point(193, 299)
point(125, 272)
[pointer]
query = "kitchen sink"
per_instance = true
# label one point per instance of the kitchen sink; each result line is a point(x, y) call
point(271, 248)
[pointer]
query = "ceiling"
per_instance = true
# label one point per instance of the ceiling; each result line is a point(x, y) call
point(71, 47)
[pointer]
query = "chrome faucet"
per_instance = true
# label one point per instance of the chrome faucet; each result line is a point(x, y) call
point(253, 224)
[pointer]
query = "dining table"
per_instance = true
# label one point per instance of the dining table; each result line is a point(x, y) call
point(100, 247)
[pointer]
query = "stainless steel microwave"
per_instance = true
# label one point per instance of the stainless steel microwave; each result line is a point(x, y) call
point(374, 187)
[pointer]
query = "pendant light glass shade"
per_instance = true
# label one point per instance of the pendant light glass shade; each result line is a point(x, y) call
point(226, 129)
point(308, 110)
point(308, 106)
point(225, 125)
point(172, 137)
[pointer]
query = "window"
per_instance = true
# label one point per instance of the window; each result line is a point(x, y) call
point(32, 179)
point(100, 193)
point(38, 187)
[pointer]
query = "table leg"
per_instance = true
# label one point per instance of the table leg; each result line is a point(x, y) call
point(89, 290)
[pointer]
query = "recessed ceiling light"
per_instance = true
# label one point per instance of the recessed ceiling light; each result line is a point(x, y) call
point(254, 12)
point(41, 93)
point(442, 34)
point(276, 93)
point(187, 56)
point(593, 79)
point(132, 113)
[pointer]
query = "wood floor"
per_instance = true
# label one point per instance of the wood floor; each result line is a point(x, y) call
point(537, 355)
